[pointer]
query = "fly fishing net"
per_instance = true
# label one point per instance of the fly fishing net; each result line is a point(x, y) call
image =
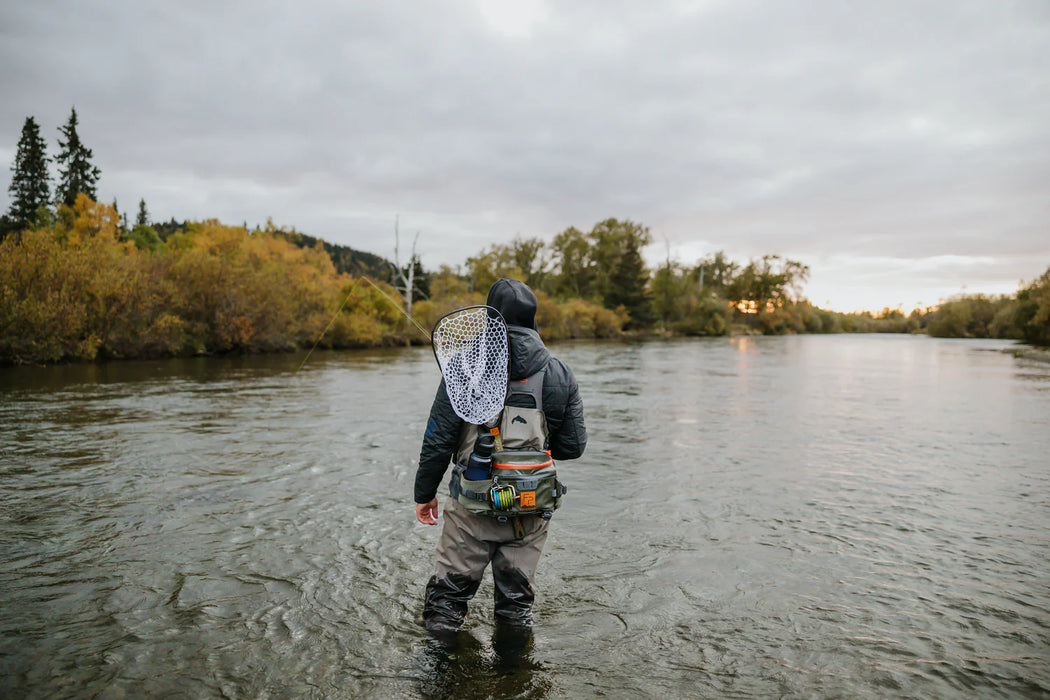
point(470, 345)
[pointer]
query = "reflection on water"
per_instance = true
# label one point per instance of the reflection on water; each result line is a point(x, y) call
point(801, 516)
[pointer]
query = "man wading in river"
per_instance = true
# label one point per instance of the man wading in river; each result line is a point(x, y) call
point(478, 530)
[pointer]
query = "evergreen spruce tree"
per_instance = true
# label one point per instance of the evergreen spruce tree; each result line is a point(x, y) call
point(76, 173)
point(143, 234)
point(29, 186)
point(627, 286)
point(122, 221)
point(143, 216)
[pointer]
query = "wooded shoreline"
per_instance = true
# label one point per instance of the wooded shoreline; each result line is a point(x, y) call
point(79, 286)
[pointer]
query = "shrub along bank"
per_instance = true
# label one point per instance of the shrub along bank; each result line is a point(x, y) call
point(80, 286)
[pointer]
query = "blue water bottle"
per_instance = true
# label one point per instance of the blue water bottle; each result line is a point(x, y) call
point(480, 461)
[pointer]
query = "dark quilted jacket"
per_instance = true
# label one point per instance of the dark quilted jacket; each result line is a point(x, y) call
point(561, 405)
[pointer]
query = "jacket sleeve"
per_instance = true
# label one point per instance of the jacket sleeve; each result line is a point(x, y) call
point(566, 429)
point(439, 446)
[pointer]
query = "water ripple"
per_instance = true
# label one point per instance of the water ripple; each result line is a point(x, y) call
point(797, 517)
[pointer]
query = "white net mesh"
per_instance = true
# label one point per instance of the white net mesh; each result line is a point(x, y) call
point(471, 348)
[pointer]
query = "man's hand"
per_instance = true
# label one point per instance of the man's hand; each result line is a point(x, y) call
point(427, 513)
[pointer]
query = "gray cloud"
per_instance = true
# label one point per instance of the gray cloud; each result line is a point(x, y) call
point(898, 131)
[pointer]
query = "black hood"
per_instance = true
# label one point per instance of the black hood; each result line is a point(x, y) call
point(515, 302)
point(528, 355)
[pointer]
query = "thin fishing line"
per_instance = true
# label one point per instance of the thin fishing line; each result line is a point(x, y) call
point(334, 317)
point(397, 306)
point(426, 334)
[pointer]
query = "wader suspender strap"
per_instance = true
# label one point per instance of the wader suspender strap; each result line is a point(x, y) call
point(529, 386)
point(533, 386)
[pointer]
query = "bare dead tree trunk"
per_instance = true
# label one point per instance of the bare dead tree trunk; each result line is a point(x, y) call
point(407, 286)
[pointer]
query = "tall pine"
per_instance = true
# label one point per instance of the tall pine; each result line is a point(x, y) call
point(143, 216)
point(76, 173)
point(627, 286)
point(29, 188)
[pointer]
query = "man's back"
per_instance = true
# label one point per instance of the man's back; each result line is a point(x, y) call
point(472, 538)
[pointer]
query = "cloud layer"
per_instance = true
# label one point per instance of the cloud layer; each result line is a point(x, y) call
point(898, 148)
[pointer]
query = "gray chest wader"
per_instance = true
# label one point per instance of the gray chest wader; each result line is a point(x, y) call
point(523, 480)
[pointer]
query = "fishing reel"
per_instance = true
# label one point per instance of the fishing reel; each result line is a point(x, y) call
point(503, 496)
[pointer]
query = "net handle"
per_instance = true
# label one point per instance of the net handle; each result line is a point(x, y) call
point(491, 310)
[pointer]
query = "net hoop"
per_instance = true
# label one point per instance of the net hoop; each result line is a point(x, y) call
point(470, 346)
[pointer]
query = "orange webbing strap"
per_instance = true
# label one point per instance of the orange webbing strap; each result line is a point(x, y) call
point(514, 465)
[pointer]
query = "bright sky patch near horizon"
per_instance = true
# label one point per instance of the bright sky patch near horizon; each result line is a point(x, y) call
point(900, 149)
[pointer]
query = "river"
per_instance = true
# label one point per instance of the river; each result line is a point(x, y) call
point(805, 516)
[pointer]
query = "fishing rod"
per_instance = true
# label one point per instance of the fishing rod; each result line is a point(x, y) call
point(338, 311)
point(397, 306)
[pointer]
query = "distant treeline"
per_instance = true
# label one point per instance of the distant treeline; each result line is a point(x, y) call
point(715, 295)
point(79, 281)
point(79, 284)
point(344, 258)
point(1025, 316)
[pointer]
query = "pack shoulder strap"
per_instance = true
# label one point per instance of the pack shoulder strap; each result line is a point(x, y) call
point(529, 386)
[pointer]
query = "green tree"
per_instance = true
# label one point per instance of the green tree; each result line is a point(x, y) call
point(716, 272)
point(530, 256)
point(583, 264)
point(76, 173)
point(627, 286)
point(491, 264)
point(29, 186)
point(975, 316)
point(522, 259)
point(665, 288)
point(768, 283)
point(1033, 311)
point(142, 218)
point(573, 274)
point(144, 237)
point(674, 293)
point(610, 240)
point(122, 221)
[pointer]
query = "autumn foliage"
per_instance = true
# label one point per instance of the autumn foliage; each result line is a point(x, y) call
point(73, 290)
point(79, 285)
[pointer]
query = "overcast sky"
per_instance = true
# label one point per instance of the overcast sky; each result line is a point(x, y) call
point(900, 148)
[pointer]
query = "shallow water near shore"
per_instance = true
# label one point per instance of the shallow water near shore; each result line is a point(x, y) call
point(853, 516)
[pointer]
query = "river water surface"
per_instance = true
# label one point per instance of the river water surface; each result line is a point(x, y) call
point(811, 516)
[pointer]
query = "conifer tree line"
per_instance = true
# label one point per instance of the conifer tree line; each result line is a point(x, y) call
point(78, 281)
point(76, 172)
point(32, 203)
point(30, 186)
